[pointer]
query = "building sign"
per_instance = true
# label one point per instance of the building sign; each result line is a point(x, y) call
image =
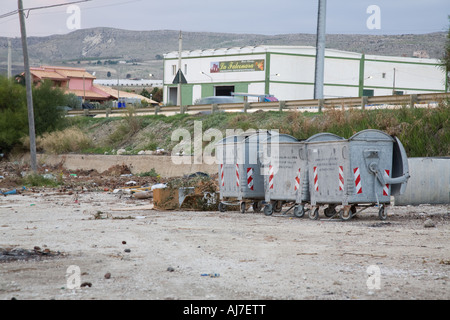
point(236, 66)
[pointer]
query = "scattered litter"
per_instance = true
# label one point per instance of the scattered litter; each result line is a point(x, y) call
point(13, 191)
point(212, 275)
point(49, 176)
point(132, 182)
point(159, 186)
point(143, 194)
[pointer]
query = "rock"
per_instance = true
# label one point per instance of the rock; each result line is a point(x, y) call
point(107, 275)
point(170, 269)
point(127, 250)
point(429, 224)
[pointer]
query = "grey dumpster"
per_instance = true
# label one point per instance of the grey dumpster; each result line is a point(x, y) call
point(227, 154)
point(284, 163)
point(251, 184)
point(363, 170)
point(240, 181)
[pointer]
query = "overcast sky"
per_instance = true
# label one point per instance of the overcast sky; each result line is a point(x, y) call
point(267, 17)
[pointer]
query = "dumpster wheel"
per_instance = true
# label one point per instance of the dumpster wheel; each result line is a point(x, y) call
point(346, 213)
point(314, 215)
point(268, 209)
point(243, 205)
point(299, 211)
point(382, 212)
point(222, 207)
point(278, 206)
point(257, 206)
point(330, 211)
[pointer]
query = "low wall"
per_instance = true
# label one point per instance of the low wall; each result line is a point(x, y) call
point(429, 182)
point(163, 165)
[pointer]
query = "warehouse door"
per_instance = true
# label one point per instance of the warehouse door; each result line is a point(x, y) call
point(223, 90)
point(173, 93)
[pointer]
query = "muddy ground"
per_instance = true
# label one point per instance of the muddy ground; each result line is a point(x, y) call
point(83, 243)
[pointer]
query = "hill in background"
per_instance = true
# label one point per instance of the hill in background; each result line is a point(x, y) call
point(141, 52)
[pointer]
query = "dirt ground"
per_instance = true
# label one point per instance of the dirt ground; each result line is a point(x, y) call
point(120, 248)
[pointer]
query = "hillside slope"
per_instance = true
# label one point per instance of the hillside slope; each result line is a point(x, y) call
point(143, 50)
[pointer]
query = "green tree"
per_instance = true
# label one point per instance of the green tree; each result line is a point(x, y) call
point(47, 101)
point(13, 114)
point(157, 94)
point(73, 101)
point(145, 93)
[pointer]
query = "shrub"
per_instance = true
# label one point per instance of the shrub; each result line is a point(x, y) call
point(68, 140)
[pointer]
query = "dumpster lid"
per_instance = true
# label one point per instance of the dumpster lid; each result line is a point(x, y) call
point(281, 138)
point(259, 136)
point(231, 139)
point(371, 135)
point(324, 136)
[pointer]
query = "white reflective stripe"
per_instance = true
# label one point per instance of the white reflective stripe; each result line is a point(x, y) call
point(358, 184)
point(250, 178)
point(341, 178)
point(386, 187)
point(316, 180)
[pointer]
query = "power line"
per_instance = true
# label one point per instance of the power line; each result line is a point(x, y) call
point(38, 8)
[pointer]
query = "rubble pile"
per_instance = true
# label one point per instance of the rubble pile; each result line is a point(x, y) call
point(198, 191)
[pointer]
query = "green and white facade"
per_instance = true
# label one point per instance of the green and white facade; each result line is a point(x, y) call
point(287, 72)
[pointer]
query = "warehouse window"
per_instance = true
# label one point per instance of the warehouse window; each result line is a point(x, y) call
point(174, 69)
point(185, 69)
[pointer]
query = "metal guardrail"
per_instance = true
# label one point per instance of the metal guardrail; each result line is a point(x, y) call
point(319, 104)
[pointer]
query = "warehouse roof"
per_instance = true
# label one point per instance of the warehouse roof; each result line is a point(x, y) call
point(308, 50)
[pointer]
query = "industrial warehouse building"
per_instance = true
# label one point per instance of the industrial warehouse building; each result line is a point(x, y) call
point(287, 73)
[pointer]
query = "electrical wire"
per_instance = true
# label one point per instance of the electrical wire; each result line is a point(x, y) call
point(38, 8)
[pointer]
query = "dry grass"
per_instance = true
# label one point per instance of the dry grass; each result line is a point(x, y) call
point(69, 140)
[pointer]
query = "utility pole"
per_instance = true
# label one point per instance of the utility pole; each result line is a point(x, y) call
point(9, 60)
point(180, 44)
point(29, 89)
point(393, 84)
point(320, 50)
